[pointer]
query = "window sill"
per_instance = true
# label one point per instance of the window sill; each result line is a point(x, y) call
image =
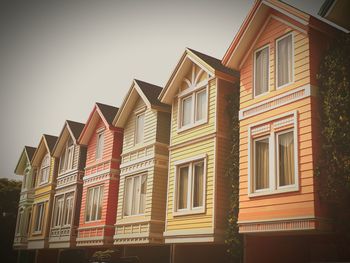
point(195, 211)
point(285, 85)
point(133, 216)
point(191, 126)
point(275, 192)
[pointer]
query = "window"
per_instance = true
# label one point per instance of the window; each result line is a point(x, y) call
point(284, 57)
point(99, 145)
point(19, 227)
point(58, 211)
point(44, 169)
point(39, 216)
point(93, 210)
point(140, 120)
point(66, 159)
point(135, 195)
point(68, 210)
point(261, 71)
point(193, 108)
point(190, 183)
point(273, 162)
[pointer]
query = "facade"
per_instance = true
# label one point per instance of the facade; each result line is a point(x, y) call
point(197, 196)
point(66, 208)
point(144, 166)
point(24, 168)
point(101, 177)
point(45, 167)
point(277, 52)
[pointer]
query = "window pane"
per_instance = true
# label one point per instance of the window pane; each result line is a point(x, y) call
point(128, 196)
point(261, 164)
point(183, 188)
point(99, 145)
point(286, 158)
point(198, 184)
point(70, 157)
point(284, 55)
point(62, 161)
point(88, 205)
point(143, 194)
point(261, 71)
point(201, 105)
point(99, 205)
point(186, 111)
point(136, 195)
point(140, 119)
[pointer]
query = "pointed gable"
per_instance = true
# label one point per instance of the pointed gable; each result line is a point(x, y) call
point(139, 89)
point(103, 112)
point(70, 129)
point(46, 145)
point(26, 156)
point(193, 68)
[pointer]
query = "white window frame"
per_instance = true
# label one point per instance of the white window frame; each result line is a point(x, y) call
point(192, 92)
point(273, 174)
point(190, 162)
point(39, 217)
point(58, 211)
point(69, 198)
point(136, 141)
point(99, 150)
point(41, 181)
point(254, 163)
point(89, 203)
point(276, 60)
point(66, 159)
point(133, 177)
point(268, 71)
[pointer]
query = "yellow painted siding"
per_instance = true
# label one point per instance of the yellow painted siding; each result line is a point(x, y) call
point(204, 220)
point(198, 131)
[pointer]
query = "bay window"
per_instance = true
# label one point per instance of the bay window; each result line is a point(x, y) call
point(58, 211)
point(94, 199)
point(190, 186)
point(135, 195)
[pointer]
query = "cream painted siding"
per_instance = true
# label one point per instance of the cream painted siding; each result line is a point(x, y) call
point(204, 220)
point(198, 131)
point(160, 177)
point(149, 128)
point(76, 157)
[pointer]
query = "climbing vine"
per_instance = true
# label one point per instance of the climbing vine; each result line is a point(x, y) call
point(334, 161)
point(233, 238)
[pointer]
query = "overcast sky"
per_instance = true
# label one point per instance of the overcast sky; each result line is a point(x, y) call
point(59, 57)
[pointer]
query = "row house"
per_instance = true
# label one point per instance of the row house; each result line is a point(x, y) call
point(45, 181)
point(24, 168)
point(144, 166)
point(103, 144)
point(197, 190)
point(277, 52)
point(71, 162)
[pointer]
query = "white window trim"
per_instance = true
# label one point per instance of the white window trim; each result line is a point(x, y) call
point(41, 182)
point(273, 189)
point(41, 222)
point(253, 164)
point(268, 71)
point(124, 194)
point(97, 150)
point(276, 60)
point(67, 163)
point(69, 196)
point(190, 162)
point(191, 92)
point(97, 208)
point(136, 128)
point(58, 212)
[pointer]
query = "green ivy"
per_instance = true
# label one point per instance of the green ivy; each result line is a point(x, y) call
point(233, 238)
point(334, 161)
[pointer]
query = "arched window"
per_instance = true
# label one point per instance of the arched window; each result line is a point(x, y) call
point(44, 169)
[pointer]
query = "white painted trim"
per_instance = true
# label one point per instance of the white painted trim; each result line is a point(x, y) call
point(268, 70)
point(181, 240)
point(87, 177)
point(273, 188)
point(281, 219)
point(307, 88)
point(192, 231)
point(276, 61)
point(279, 19)
point(191, 159)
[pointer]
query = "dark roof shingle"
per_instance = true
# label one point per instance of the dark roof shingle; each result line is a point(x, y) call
point(30, 152)
point(76, 128)
point(108, 112)
point(152, 92)
point(51, 141)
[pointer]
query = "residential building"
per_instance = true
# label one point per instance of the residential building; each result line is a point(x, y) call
point(25, 169)
point(66, 208)
point(101, 177)
point(277, 52)
point(198, 190)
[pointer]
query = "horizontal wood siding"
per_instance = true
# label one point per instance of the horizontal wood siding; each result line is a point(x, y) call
point(163, 127)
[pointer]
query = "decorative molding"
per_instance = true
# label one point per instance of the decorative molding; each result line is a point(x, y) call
point(277, 101)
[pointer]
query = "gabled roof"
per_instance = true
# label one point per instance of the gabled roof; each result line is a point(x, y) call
point(211, 65)
point(149, 94)
point(70, 129)
point(46, 144)
point(26, 155)
point(103, 111)
point(255, 19)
